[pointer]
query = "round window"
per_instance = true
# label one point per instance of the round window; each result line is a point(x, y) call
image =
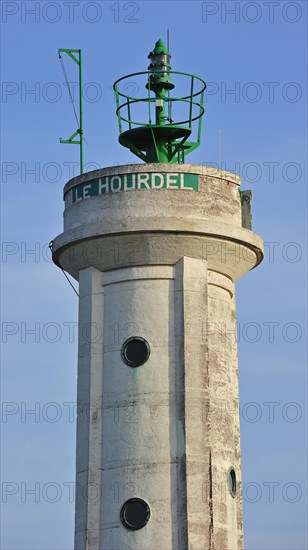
point(135, 351)
point(232, 481)
point(135, 513)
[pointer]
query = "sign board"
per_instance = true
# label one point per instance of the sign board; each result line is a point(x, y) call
point(133, 182)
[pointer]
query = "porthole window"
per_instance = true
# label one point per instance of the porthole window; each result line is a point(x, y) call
point(232, 481)
point(135, 513)
point(135, 351)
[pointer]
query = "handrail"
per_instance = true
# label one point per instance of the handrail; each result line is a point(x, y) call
point(162, 139)
point(193, 77)
point(152, 100)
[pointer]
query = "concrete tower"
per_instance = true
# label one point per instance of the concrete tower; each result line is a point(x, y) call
point(157, 248)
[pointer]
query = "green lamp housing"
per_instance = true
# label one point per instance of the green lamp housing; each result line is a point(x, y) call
point(160, 68)
point(156, 128)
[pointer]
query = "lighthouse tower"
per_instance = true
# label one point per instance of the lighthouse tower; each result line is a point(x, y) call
point(157, 248)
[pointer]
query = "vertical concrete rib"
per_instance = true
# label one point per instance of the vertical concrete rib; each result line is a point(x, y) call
point(89, 411)
point(191, 282)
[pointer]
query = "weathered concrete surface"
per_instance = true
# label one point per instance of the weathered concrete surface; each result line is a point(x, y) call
point(158, 226)
point(160, 264)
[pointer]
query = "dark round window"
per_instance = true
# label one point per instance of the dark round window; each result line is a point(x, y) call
point(135, 351)
point(232, 481)
point(135, 513)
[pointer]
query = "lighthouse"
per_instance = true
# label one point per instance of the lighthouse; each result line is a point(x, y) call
point(157, 248)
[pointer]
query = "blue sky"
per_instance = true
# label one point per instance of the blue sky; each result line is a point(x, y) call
point(259, 52)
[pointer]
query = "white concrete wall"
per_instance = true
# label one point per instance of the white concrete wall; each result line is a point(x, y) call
point(150, 433)
point(158, 226)
point(137, 420)
point(223, 415)
point(160, 264)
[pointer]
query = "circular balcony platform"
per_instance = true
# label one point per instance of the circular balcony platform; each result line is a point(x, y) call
point(143, 136)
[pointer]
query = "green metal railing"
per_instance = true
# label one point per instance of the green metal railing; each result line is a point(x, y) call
point(191, 103)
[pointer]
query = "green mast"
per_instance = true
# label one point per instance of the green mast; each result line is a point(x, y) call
point(157, 136)
point(71, 140)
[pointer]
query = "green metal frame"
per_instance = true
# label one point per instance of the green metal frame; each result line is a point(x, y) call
point(174, 151)
point(71, 140)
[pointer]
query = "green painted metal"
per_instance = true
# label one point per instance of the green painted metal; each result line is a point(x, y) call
point(135, 182)
point(71, 140)
point(157, 137)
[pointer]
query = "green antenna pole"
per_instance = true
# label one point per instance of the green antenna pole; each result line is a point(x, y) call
point(169, 104)
point(71, 140)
